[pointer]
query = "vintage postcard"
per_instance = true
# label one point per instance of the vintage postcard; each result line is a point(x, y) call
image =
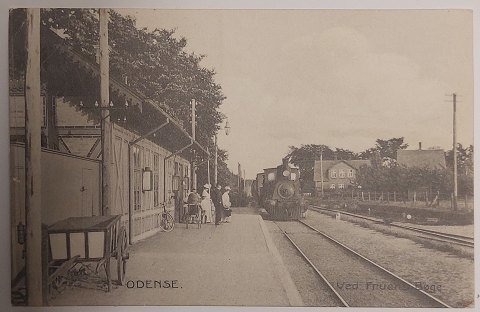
point(232, 157)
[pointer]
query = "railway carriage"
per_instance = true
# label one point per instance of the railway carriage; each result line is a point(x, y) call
point(278, 191)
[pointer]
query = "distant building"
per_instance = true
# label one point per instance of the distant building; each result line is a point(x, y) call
point(432, 159)
point(337, 174)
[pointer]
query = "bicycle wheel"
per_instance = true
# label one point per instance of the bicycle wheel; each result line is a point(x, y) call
point(167, 223)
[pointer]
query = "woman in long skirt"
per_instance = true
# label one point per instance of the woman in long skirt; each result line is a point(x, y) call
point(206, 204)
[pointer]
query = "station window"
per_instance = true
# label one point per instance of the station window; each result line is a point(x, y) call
point(332, 186)
point(341, 173)
point(137, 178)
point(333, 173)
point(350, 173)
point(341, 186)
point(156, 180)
point(176, 169)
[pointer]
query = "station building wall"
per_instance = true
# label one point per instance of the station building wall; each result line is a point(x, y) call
point(70, 188)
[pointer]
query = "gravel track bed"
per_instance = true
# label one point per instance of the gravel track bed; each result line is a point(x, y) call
point(358, 282)
point(444, 275)
point(312, 289)
point(427, 240)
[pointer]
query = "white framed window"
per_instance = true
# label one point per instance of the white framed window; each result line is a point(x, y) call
point(333, 173)
point(350, 173)
point(332, 186)
point(341, 173)
point(341, 186)
point(137, 178)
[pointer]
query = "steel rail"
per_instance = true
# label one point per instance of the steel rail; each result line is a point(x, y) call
point(448, 238)
point(459, 238)
point(376, 265)
point(315, 268)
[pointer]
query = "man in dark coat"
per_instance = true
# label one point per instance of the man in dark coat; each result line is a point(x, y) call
point(217, 202)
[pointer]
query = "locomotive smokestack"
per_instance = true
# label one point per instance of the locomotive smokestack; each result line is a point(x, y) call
point(285, 162)
point(419, 146)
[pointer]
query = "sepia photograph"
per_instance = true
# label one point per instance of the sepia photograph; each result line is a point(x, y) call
point(241, 157)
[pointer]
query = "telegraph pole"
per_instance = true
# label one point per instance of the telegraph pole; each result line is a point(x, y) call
point(208, 169)
point(321, 169)
point(194, 173)
point(244, 180)
point(216, 162)
point(455, 180)
point(105, 122)
point(33, 179)
point(239, 171)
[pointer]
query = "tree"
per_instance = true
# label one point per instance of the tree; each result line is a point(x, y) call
point(225, 176)
point(345, 154)
point(388, 148)
point(403, 179)
point(464, 159)
point(465, 166)
point(304, 158)
point(153, 62)
point(384, 153)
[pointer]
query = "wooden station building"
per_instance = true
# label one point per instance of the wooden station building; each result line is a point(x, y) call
point(150, 149)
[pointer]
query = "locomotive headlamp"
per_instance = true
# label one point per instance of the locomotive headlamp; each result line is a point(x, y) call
point(286, 173)
point(272, 202)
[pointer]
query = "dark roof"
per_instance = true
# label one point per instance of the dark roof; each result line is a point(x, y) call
point(327, 164)
point(433, 159)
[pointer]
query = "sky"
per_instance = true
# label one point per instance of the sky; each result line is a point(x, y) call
point(343, 78)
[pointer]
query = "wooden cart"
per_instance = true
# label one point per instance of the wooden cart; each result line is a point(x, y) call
point(87, 240)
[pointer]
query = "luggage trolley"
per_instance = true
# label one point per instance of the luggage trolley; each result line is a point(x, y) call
point(194, 213)
point(86, 240)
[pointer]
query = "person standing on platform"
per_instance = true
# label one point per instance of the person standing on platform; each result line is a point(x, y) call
point(206, 204)
point(217, 202)
point(227, 204)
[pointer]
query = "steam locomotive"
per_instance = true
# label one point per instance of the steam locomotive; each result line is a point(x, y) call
point(278, 191)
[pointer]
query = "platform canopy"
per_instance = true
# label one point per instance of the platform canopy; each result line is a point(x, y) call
point(69, 73)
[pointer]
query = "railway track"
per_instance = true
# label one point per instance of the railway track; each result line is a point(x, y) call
point(443, 237)
point(354, 279)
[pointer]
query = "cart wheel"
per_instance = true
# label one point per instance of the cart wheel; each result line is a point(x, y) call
point(122, 256)
point(167, 223)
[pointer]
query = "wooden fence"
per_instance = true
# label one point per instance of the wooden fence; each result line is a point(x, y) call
point(410, 199)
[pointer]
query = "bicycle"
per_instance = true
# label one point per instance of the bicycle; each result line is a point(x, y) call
point(167, 223)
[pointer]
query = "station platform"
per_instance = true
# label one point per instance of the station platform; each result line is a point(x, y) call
point(232, 264)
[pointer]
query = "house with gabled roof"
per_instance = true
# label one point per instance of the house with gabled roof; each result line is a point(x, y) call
point(432, 159)
point(336, 174)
